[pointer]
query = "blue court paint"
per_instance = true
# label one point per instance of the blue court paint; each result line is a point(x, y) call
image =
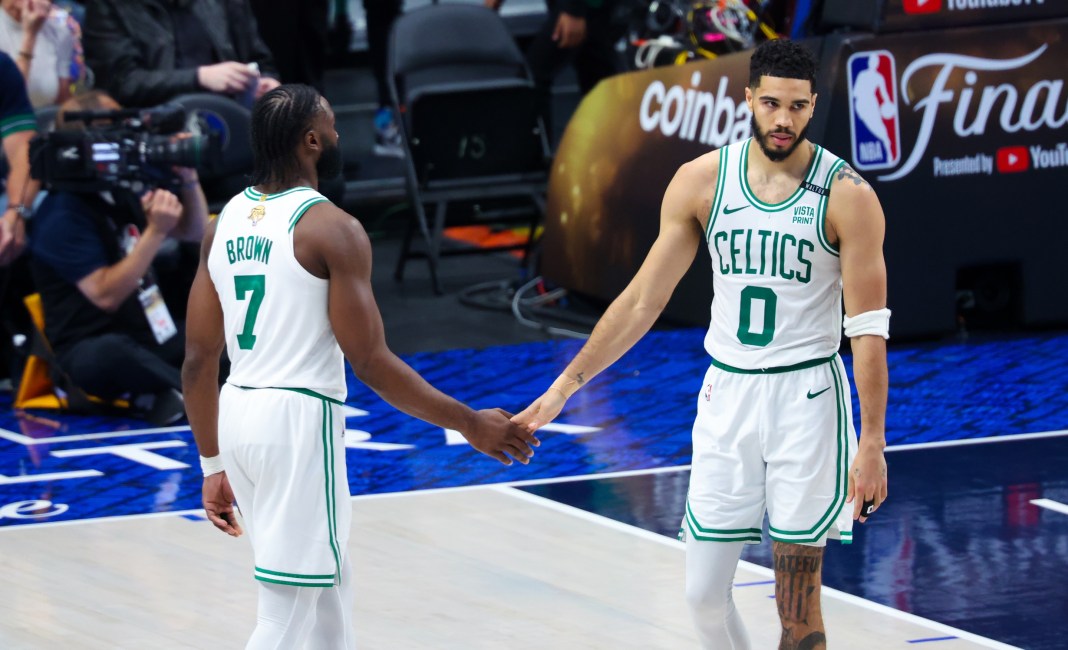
point(753, 584)
point(642, 407)
point(958, 541)
point(935, 638)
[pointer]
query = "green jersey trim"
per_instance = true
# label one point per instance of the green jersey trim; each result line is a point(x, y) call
point(304, 207)
point(699, 532)
point(254, 194)
point(16, 123)
point(331, 504)
point(743, 171)
point(811, 363)
point(821, 210)
point(721, 180)
point(303, 391)
point(823, 524)
point(319, 585)
point(303, 576)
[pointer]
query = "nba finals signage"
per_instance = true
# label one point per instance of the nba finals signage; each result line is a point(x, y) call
point(964, 99)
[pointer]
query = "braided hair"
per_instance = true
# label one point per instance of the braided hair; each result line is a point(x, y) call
point(279, 120)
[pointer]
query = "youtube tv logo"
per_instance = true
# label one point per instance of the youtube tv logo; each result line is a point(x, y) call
point(1013, 159)
point(923, 6)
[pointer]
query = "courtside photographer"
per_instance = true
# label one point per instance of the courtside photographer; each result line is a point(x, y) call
point(120, 184)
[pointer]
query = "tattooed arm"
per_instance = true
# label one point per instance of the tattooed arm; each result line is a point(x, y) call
point(856, 224)
point(798, 580)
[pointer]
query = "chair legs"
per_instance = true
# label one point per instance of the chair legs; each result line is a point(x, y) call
point(433, 235)
point(406, 247)
point(431, 239)
point(434, 251)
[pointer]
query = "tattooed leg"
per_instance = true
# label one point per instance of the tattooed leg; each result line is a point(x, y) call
point(797, 593)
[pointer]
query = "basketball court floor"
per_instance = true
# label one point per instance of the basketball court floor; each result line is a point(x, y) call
point(103, 545)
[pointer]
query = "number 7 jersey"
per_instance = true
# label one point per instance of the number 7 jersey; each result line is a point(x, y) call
point(278, 332)
point(776, 278)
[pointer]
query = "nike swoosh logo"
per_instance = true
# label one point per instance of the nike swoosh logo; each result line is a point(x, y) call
point(812, 395)
point(733, 210)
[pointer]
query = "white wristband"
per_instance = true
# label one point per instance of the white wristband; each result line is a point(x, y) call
point(876, 322)
point(211, 465)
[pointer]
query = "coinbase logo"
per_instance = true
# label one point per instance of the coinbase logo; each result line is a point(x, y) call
point(873, 115)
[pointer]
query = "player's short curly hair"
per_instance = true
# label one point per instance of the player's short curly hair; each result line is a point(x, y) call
point(782, 58)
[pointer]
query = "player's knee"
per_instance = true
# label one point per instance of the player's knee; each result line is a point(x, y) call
point(707, 600)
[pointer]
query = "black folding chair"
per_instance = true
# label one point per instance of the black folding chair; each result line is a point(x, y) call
point(468, 121)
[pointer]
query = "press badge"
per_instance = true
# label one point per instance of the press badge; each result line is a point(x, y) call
point(159, 317)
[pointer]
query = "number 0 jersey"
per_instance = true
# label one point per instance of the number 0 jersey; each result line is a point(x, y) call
point(278, 332)
point(777, 280)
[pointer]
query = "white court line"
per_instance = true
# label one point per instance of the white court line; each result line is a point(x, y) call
point(1055, 506)
point(21, 439)
point(978, 441)
point(523, 483)
point(73, 522)
point(755, 568)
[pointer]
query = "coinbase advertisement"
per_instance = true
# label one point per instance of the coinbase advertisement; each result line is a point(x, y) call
point(963, 133)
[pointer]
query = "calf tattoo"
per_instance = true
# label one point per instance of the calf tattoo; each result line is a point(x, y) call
point(797, 593)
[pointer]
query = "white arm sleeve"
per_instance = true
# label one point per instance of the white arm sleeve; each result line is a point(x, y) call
point(875, 322)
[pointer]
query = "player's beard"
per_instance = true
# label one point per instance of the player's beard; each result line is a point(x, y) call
point(328, 167)
point(776, 155)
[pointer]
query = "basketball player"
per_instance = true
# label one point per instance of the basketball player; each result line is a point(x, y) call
point(285, 283)
point(791, 227)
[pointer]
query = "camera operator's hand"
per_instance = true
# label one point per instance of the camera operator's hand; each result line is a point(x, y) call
point(162, 211)
point(226, 77)
point(12, 236)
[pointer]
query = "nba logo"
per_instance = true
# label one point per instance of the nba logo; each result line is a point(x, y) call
point(873, 117)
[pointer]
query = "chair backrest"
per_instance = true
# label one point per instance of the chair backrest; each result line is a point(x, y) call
point(452, 42)
point(231, 122)
point(466, 100)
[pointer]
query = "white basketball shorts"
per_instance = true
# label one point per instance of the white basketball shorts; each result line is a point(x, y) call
point(284, 453)
point(780, 440)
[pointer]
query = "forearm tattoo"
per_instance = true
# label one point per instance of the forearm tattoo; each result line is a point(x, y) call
point(847, 172)
point(581, 379)
point(797, 592)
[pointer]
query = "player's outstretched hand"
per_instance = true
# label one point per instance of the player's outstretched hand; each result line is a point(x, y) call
point(541, 411)
point(496, 435)
point(219, 504)
point(867, 482)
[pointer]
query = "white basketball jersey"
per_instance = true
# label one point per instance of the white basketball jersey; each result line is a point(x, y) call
point(777, 280)
point(278, 332)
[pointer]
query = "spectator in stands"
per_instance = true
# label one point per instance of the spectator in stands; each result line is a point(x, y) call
point(37, 37)
point(145, 52)
point(17, 127)
point(296, 34)
point(582, 33)
point(92, 255)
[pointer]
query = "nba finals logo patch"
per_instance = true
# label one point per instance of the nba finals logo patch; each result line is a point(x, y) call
point(873, 116)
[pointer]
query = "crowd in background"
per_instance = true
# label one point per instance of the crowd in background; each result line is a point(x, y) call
point(113, 268)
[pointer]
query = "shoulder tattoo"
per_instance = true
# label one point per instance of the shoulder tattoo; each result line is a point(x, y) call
point(848, 173)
